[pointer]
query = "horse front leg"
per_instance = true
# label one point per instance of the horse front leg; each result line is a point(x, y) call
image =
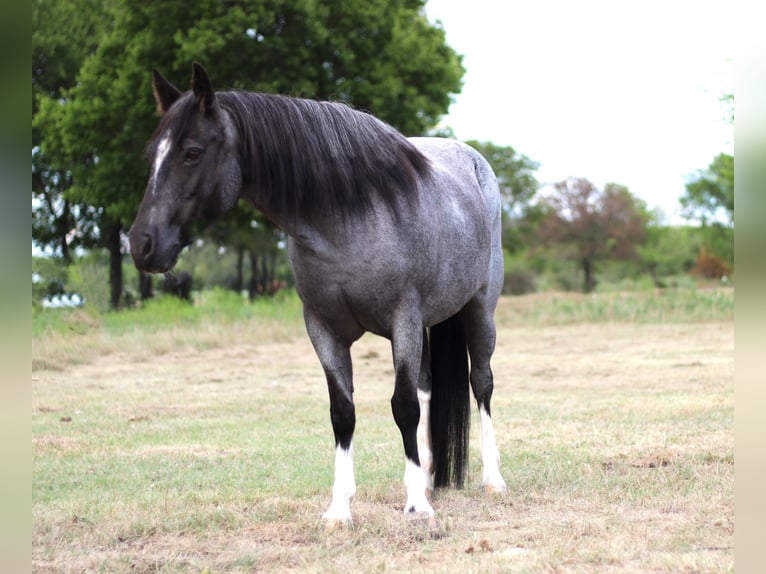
point(335, 357)
point(405, 405)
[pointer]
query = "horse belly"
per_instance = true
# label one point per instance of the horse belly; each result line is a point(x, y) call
point(352, 292)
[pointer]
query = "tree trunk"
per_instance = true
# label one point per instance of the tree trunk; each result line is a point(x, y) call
point(252, 288)
point(115, 264)
point(240, 279)
point(145, 286)
point(272, 272)
point(265, 277)
point(66, 256)
point(655, 279)
point(590, 278)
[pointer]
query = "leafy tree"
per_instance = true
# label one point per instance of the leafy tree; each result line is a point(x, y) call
point(728, 100)
point(64, 34)
point(514, 171)
point(592, 224)
point(515, 177)
point(709, 197)
point(668, 250)
point(381, 56)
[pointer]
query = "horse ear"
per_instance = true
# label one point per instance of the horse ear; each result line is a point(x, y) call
point(203, 90)
point(165, 93)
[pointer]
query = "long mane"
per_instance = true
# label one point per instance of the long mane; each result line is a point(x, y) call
point(307, 158)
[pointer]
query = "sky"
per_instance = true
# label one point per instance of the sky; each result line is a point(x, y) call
point(623, 92)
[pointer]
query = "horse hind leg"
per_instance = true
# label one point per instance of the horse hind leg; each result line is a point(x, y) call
point(479, 326)
point(425, 448)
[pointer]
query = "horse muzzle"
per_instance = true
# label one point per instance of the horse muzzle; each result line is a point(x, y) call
point(155, 250)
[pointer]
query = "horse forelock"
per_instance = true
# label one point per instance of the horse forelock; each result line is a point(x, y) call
point(305, 157)
point(175, 121)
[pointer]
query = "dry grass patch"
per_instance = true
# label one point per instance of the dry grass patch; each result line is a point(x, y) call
point(616, 442)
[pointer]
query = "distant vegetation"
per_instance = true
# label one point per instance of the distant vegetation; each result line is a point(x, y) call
point(219, 317)
point(93, 113)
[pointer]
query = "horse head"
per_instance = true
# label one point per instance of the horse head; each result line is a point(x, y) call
point(195, 173)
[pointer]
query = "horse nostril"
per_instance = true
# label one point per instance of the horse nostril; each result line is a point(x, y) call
point(146, 247)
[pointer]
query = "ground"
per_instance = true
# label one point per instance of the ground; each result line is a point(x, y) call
point(616, 444)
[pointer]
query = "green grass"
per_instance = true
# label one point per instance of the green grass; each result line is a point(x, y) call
point(216, 305)
point(646, 306)
point(167, 444)
point(222, 306)
point(215, 319)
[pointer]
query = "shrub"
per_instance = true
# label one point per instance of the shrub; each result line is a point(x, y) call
point(519, 282)
point(711, 266)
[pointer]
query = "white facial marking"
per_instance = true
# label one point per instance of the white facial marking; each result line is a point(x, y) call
point(490, 456)
point(344, 488)
point(162, 152)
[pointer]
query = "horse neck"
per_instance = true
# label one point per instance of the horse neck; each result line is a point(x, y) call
point(289, 150)
point(315, 235)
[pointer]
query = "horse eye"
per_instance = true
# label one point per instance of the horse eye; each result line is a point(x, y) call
point(192, 154)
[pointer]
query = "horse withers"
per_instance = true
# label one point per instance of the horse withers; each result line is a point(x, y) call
point(392, 235)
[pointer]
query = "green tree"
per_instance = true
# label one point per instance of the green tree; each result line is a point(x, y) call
point(514, 171)
point(64, 34)
point(668, 250)
point(591, 224)
point(709, 196)
point(709, 199)
point(515, 177)
point(384, 57)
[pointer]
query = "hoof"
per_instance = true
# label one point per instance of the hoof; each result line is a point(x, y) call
point(333, 524)
point(336, 518)
point(495, 489)
point(422, 519)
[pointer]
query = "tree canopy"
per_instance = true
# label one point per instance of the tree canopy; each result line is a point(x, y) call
point(93, 105)
point(709, 196)
point(593, 224)
point(518, 185)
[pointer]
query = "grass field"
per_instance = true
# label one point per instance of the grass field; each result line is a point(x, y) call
point(193, 439)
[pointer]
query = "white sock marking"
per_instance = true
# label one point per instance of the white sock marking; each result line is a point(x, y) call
point(344, 487)
point(490, 456)
point(415, 482)
point(424, 439)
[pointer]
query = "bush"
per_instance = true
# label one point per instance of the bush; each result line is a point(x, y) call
point(519, 282)
point(711, 266)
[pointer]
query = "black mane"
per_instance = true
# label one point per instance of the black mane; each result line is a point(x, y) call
point(307, 158)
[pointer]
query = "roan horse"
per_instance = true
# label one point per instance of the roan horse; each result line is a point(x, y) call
point(396, 236)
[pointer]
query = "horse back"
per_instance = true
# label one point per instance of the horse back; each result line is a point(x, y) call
point(436, 255)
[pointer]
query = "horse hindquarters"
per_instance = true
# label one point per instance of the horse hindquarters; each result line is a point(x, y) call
point(450, 412)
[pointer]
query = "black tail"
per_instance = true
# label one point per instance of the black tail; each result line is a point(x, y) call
point(450, 403)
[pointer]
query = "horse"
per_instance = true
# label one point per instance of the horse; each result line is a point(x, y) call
point(391, 235)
